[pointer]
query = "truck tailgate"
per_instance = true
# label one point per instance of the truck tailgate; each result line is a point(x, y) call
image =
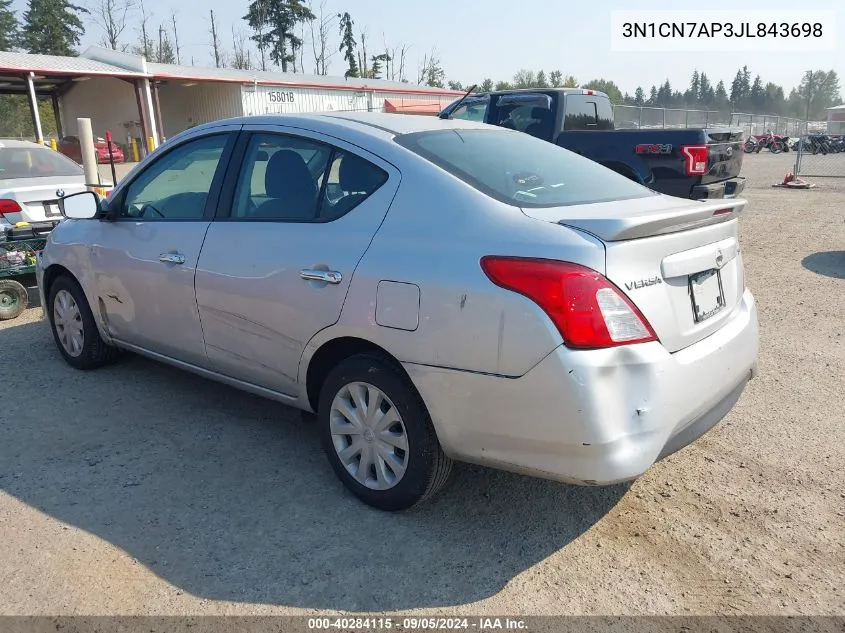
point(724, 154)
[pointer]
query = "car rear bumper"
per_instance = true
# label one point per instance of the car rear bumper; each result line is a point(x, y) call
point(730, 188)
point(593, 417)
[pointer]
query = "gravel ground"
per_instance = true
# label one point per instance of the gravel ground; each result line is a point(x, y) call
point(142, 490)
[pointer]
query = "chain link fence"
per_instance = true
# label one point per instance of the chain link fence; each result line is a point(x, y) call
point(646, 117)
point(818, 154)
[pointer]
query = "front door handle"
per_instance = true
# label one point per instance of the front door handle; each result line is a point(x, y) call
point(327, 276)
point(172, 258)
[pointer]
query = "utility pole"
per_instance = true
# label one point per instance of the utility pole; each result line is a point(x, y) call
point(160, 42)
point(214, 41)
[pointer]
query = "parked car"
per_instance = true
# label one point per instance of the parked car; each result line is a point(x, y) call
point(69, 146)
point(434, 290)
point(698, 163)
point(32, 179)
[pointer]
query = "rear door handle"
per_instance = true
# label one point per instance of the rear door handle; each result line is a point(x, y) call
point(172, 258)
point(327, 276)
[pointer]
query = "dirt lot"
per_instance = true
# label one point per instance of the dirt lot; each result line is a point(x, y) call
point(140, 489)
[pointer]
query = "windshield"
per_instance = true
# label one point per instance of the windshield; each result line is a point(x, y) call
point(520, 169)
point(35, 162)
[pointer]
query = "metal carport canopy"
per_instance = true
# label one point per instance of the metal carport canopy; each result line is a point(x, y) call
point(53, 75)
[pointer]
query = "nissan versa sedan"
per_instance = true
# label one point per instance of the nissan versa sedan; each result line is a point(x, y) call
point(433, 290)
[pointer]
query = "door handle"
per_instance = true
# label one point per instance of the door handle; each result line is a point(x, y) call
point(172, 258)
point(327, 276)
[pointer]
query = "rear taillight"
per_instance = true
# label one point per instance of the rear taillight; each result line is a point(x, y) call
point(587, 309)
point(9, 206)
point(695, 159)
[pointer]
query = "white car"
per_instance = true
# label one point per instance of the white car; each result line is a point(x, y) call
point(32, 179)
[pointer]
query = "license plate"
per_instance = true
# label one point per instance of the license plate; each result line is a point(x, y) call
point(51, 209)
point(706, 294)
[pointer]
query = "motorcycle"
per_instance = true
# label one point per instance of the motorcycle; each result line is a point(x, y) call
point(774, 142)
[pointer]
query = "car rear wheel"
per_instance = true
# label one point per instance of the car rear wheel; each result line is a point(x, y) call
point(13, 299)
point(378, 435)
point(73, 326)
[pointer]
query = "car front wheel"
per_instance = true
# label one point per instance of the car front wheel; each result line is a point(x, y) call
point(378, 435)
point(73, 326)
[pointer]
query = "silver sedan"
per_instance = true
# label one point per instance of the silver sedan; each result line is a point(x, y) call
point(433, 290)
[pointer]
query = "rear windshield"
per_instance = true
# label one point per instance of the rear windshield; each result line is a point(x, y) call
point(35, 162)
point(521, 170)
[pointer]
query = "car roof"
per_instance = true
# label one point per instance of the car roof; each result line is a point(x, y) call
point(377, 124)
point(13, 142)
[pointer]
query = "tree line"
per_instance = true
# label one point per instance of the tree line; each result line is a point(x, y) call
point(303, 36)
point(817, 91)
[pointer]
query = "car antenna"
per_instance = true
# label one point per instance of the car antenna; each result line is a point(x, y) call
point(460, 101)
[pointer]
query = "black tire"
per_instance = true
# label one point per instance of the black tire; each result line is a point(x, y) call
point(428, 467)
point(95, 352)
point(13, 299)
point(776, 147)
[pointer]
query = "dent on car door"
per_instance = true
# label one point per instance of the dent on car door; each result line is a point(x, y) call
point(276, 263)
point(145, 259)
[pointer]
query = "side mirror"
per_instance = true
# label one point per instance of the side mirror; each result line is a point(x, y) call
point(80, 206)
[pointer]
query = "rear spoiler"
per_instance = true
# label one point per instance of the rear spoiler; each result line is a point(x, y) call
point(661, 222)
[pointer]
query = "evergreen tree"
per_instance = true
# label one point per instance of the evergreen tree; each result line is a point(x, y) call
point(487, 85)
point(9, 33)
point(555, 78)
point(706, 94)
point(541, 81)
point(736, 90)
point(639, 96)
point(758, 95)
point(664, 95)
point(694, 89)
point(258, 18)
point(348, 43)
point(653, 96)
point(52, 27)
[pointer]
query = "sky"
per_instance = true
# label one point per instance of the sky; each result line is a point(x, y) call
point(476, 39)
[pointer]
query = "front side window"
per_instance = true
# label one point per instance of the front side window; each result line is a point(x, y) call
point(521, 170)
point(288, 178)
point(176, 185)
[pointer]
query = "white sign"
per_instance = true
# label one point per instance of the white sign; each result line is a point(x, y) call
point(706, 30)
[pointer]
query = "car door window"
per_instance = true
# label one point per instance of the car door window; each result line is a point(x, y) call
point(350, 180)
point(280, 178)
point(177, 185)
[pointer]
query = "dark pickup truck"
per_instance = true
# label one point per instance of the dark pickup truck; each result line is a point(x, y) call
point(688, 163)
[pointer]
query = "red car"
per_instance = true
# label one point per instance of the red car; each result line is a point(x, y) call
point(69, 146)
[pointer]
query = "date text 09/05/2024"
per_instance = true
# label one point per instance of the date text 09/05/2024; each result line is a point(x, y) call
point(722, 29)
point(415, 624)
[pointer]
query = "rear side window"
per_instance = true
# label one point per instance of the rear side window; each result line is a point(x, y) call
point(521, 170)
point(587, 112)
point(35, 162)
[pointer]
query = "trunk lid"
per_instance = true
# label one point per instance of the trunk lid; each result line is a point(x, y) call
point(37, 196)
point(677, 260)
point(724, 154)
